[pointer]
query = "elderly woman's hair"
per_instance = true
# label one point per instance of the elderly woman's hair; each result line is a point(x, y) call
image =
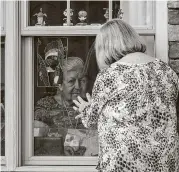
point(73, 63)
point(117, 39)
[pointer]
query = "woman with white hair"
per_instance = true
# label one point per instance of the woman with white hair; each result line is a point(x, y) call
point(133, 105)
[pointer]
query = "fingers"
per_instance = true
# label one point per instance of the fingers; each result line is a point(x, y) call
point(79, 116)
point(76, 103)
point(80, 99)
point(75, 108)
point(88, 96)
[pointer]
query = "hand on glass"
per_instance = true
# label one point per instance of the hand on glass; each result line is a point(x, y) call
point(81, 104)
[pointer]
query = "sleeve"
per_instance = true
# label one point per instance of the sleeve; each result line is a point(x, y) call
point(104, 89)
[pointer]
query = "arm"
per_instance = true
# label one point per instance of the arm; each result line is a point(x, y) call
point(91, 112)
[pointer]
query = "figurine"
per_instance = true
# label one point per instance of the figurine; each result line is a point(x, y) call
point(106, 15)
point(40, 18)
point(65, 14)
point(82, 17)
point(120, 14)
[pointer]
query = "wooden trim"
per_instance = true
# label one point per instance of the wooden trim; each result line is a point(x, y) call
point(2, 160)
point(58, 168)
point(61, 160)
point(27, 103)
point(110, 9)
point(27, 117)
point(3, 168)
point(12, 84)
point(72, 31)
point(2, 18)
point(68, 30)
point(161, 36)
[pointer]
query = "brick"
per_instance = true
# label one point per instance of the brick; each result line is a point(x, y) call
point(175, 65)
point(174, 50)
point(173, 16)
point(173, 4)
point(173, 32)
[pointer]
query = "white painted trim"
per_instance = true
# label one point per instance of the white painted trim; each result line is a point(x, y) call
point(58, 168)
point(3, 168)
point(27, 103)
point(62, 160)
point(12, 84)
point(69, 30)
point(161, 38)
point(27, 117)
point(110, 9)
point(72, 31)
point(2, 160)
point(2, 18)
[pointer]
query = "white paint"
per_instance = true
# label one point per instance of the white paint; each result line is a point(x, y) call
point(12, 86)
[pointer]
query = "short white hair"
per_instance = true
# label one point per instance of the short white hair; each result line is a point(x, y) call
point(117, 39)
point(72, 63)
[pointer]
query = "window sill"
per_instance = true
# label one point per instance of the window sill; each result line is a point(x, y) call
point(58, 168)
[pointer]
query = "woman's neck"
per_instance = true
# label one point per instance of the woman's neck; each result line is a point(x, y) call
point(137, 58)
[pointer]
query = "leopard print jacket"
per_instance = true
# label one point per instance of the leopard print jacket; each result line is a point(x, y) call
point(134, 108)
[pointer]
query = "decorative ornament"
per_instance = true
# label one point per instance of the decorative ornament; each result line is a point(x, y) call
point(120, 14)
point(82, 15)
point(65, 19)
point(106, 15)
point(40, 18)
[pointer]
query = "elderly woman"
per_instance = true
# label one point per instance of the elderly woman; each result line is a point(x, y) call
point(57, 111)
point(133, 104)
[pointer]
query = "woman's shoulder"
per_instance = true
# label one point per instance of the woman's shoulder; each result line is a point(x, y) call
point(46, 101)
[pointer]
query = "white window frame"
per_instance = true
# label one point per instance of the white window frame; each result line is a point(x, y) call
point(2, 33)
point(2, 18)
point(77, 30)
point(13, 80)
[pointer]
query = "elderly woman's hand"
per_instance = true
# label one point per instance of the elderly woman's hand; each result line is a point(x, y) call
point(81, 104)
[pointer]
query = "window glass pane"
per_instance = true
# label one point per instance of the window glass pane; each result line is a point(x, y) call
point(2, 80)
point(64, 67)
point(88, 12)
point(136, 13)
point(47, 13)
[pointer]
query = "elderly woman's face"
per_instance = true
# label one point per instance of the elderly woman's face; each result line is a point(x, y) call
point(74, 84)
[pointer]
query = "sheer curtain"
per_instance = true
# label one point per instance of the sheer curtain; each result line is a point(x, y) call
point(136, 13)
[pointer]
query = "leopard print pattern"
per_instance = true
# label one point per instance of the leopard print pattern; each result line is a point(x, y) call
point(134, 108)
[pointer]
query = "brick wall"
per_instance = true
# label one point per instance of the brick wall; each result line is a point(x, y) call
point(173, 34)
point(173, 39)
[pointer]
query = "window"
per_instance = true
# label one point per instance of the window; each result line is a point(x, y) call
point(52, 136)
point(45, 37)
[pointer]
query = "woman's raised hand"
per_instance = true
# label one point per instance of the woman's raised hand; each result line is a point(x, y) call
point(81, 104)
